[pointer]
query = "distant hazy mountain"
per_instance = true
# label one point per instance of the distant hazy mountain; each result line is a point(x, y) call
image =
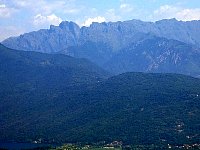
point(116, 34)
point(163, 46)
point(156, 55)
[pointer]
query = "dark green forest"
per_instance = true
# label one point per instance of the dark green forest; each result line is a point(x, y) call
point(62, 99)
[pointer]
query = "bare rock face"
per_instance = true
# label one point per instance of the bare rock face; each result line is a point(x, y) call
point(163, 46)
point(118, 34)
point(157, 55)
point(55, 39)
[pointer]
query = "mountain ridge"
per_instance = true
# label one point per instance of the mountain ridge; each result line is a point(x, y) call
point(75, 32)
point(122, 46)
point(31, 64)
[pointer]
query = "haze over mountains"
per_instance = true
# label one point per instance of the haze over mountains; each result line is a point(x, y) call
point(164, 46)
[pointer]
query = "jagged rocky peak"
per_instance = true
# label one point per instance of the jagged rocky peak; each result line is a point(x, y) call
point(168, 20)
point(53, 27)
point(68, 25)
point(96, 26)
point(117, 35)
point(134, 21)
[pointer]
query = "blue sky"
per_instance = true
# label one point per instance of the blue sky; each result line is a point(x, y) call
point(20, 16)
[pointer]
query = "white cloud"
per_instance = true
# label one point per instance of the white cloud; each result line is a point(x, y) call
point(46, 7)
point(40, 20)
point(111, 15)
point(2, 6)
point(89, 21)
point(168, 11)
point(127, 8)
point(188, 14)
point(5, 12)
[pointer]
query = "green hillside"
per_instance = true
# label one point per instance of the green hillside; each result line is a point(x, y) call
point(57, 98)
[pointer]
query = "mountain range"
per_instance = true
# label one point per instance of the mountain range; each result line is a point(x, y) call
point(58, 98)
point(130, 81)
point(164, 46)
